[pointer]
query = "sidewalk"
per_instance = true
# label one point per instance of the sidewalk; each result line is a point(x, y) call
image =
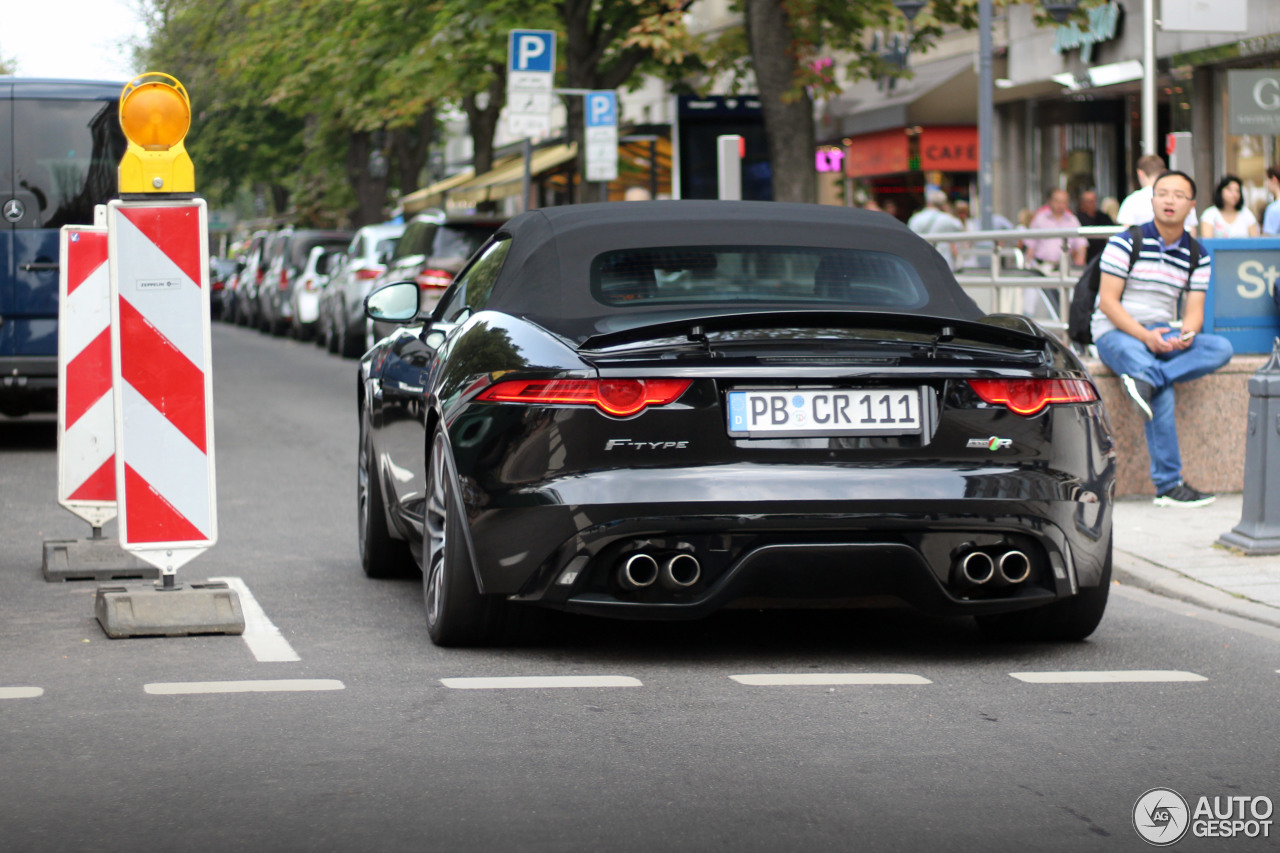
point(1171, 551)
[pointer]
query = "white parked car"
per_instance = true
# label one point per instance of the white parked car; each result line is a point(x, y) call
point(343, 322)
point(304, 296)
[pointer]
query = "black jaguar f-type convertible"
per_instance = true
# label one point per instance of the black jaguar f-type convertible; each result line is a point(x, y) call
point(658, 409)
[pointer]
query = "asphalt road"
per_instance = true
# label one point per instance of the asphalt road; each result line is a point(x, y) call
point(370, 743)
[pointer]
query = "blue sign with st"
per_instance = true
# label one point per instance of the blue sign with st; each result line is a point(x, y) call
point(1241, 303)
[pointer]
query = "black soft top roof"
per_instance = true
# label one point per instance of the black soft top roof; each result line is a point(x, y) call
point(546, 276)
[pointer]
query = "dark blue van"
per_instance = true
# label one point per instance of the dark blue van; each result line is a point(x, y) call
point(60, 147)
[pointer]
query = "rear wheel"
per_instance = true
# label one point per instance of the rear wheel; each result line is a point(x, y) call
point(1071, 619)
point(457, 614)
point(381, 556)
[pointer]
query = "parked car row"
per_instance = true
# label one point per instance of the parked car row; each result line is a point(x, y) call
point(312, 284)
point(278, 280)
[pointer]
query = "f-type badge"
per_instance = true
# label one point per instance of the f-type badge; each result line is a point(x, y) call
point(14, 210)
point(991, 443)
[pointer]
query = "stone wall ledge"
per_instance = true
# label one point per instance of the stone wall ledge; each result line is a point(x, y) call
point(1212, 412)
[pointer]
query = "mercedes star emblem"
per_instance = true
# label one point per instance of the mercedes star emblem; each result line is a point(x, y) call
point(14, 210)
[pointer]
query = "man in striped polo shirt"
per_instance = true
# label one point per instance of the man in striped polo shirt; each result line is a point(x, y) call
point(1132, 327)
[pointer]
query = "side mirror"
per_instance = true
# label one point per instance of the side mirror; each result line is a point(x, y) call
point(396, 302)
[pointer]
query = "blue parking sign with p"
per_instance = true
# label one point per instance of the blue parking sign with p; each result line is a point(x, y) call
point(532, 50)
point(602, 108)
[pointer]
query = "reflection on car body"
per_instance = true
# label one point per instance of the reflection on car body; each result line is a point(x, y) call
point(567, 413)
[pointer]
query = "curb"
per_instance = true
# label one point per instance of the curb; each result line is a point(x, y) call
point(1135, 571)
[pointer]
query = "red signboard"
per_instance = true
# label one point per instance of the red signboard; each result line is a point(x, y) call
point(871, 154)
point(949, 149)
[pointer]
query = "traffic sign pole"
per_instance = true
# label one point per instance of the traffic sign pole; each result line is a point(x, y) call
point(601, 135)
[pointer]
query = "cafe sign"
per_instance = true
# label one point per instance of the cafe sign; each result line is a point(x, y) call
point(1253, 102)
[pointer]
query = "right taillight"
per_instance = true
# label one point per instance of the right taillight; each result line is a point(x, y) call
point(1031, 396)
point(364, 273)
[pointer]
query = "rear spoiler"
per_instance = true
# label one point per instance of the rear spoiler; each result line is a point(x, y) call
point(1009, 330)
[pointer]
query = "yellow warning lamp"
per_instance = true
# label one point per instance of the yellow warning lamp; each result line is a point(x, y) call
point(155, 114)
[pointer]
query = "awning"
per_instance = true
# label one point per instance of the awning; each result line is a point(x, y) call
point(433, 195)
point(507, 178)
point(940, 93)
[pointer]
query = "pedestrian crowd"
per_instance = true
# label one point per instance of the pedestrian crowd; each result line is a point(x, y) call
point(1148, 323)
point(1228, 217)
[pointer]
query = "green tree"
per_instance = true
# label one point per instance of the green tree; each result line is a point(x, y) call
point(785, 39)
point(236, 138)
point(608, 45)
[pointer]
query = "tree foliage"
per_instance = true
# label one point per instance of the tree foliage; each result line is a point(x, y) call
point(332, 105)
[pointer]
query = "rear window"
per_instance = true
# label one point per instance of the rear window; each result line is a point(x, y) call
point(461, 241)
point(66, 156)
point(848, 278)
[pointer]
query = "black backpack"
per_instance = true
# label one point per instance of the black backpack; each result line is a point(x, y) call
point(1084, 299)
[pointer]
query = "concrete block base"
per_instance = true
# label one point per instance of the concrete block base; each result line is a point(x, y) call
point(151, 611)
point(92, 560)
point(1250, 546)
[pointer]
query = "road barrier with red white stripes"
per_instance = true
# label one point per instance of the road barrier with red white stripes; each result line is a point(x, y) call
point(86, 423)
point(163, 387)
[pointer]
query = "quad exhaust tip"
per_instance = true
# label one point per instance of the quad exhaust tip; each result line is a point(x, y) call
point(638, 571)
point(681, 571)
point(676, 571)
point(1014, 567)
point(977, 567)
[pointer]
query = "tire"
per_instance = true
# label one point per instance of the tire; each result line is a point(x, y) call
point(457, 614)
point(349, 345)
point(1064, 621)
point(381, 556)
point(331, 340)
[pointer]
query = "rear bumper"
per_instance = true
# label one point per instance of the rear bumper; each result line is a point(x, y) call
point(308, 310)
point(780, 551)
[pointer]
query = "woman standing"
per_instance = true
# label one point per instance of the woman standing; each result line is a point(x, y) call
point(1228, 217)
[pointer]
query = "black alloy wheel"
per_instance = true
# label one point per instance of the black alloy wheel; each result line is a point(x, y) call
point(381, 556)
point(457, 614)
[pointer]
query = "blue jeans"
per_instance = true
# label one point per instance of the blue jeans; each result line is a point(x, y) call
point(1124, 353)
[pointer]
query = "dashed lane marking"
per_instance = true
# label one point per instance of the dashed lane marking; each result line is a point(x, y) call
point(534, 682)
point(294, 685)
point(1131, 676)
point(21, 692)
point(811, 679)
point(260, 634)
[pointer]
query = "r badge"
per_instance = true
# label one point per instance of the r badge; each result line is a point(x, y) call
point(991, 443)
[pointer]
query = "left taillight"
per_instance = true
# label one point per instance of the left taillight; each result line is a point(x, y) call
point(617, 397)
point(429, 278)
point(1032, 396)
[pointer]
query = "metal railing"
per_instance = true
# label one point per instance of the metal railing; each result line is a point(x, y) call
point(1004, 280)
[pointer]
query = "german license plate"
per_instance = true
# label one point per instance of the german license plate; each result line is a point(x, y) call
point(824, 412)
